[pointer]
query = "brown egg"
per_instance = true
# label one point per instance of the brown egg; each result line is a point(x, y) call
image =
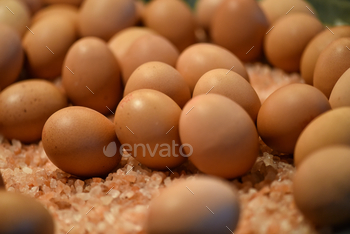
point(72, 2)
point(330, 128)
point(340, 95)
point(121, 42)
point(11, 55)
point(105, 18)
point(331, 64)
point(65, 10)
point(286, 113)
point(22, 214)
point(321, 186)
point(148, 48)
point(47, 47)
point(240, 26)
point(275, 9)
point(2, 183)
point(173, 20)
point(222, 137)
point(316, 46)
point(162, 77)
point(146, 123)
point(200, 58)
point(285, 43)
point(33, 5)
point(78, 140)
point(204, 11)
point(15, 14)
point(90, 75)
point(201, 204)
point(25, 106)
point(231, 85)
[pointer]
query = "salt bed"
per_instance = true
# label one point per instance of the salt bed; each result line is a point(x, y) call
point(118, 203)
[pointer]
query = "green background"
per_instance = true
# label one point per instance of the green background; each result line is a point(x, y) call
point(330, 12)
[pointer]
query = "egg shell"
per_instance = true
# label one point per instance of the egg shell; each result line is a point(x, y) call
point(148, 48)
point(316, 46)
point(331, 64)
point(91, 76)
point(201, 204)
point(22, 214)
point(15, 14)
point(231, 85)
point(25, 106)
point(285, 43)
point(200, 58)
point(121, 42)
point(33, 5)
point(165, 16)
point(330, 128)
point(204, 11)
point(324, 172)
point(103, 19)
point(11, 55)
point(162, 77)
point(65, 10)
point(75, 140)
point(275, 9)
point(72, 2)
point(240, 26)
point(222, 135)
point(2, 183)
point(340, 95)
point(286, 113)
point(47, 47)
point(150, 118)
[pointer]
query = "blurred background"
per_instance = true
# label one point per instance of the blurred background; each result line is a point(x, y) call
point(331, 12)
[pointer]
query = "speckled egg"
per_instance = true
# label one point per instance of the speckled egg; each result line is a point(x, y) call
point(231, 85)
point(286, 112)
point(203, 57)
point(316, 46)
point(285, 43)
point(25, 106)
point(103, 19)
point(321, 186)
point(147, 124)
point(274, 9)
point(330, 128)
point(91, 76)
point(78, 141)
point(240, 26)
point(331, 64)
point(11, 55)
point(173, 20)
point(23, 215)
point(201, 204)
point(148, 48)
point(222, 136)
point(340, 95)
point(47, 47)
point(15, 14)
point(162, 77)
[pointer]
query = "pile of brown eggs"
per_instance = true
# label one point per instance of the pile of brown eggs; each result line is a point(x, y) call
point(178, 89)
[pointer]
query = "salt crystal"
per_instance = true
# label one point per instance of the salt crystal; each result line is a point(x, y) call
point(114, 193)
point(83, 196)
point(95, 191)
point(167, 181)
point(106, 200)
point(109, 217)
point(53, 183)
point(127, 195)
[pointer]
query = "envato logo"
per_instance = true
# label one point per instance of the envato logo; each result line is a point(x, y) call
point(164, 150)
